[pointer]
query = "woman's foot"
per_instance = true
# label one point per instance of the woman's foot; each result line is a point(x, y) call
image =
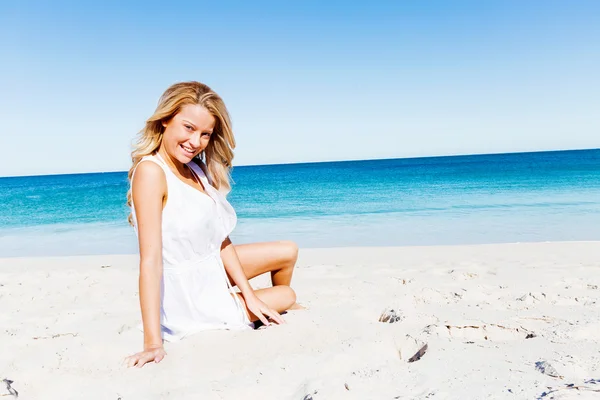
point(297, 306)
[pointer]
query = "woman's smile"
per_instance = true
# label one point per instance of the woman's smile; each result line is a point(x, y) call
point(190, 152)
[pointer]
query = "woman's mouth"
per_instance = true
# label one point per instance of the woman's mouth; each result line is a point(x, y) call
point(189, 151)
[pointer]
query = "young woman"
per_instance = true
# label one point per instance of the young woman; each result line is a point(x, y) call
point(188, 265)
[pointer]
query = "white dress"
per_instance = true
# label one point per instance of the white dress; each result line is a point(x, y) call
point(195, 292)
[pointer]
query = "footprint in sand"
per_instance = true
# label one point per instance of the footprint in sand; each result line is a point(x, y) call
point(480, 331)
point(410, 349)
point(390, 315)
point(7, 388)
point(558, 300)
point(532, 298)
point(429, 295)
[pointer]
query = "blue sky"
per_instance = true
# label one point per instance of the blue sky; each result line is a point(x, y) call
point(304, 81)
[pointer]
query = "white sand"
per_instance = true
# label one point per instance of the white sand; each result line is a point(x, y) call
point(66, 324)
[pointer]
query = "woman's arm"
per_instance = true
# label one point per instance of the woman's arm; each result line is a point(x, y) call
point(234, 268)
point(236, 272)
point(149, 189)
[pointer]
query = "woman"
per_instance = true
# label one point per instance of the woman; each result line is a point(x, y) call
point(188, 265)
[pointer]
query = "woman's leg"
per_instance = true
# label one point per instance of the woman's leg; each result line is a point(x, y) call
point(278, 258)
point(278, 298)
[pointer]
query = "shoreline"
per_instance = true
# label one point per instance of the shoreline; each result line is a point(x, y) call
point(493, 316)
point(310, 249)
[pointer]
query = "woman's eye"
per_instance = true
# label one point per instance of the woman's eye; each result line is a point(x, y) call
point(206, 134)
point(188, 127)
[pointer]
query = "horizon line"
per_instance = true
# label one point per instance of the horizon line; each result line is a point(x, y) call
point(332, 161)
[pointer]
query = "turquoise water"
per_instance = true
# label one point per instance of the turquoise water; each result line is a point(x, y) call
point(543, 196)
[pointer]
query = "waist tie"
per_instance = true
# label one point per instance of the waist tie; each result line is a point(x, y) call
point(191, 264)
point(217, 257)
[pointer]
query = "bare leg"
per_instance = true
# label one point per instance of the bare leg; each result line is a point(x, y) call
point(279, 298)
point(278, 258)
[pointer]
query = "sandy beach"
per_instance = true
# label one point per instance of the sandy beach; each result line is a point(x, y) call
point(514, 321)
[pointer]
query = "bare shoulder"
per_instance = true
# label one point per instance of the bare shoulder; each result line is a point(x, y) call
point(149, 178)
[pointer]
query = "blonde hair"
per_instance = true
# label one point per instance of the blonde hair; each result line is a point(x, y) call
point(218, 155)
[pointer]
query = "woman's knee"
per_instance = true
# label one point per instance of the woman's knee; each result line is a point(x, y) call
point(289, 251)
point(290, 295)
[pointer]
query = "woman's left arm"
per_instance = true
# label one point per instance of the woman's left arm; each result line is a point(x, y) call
point(234, 269)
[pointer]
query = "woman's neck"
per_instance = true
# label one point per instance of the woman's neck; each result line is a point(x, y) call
point(173, 163)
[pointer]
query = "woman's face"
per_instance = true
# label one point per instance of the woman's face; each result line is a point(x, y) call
point(187, 134)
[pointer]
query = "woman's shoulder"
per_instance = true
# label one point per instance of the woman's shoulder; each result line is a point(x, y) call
point(148, 169)
point(151, 157)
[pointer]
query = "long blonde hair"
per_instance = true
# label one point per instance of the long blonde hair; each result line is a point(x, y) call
point(218, 155)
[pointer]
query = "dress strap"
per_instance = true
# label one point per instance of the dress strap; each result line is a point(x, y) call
point(158, 157)
point(200, 173)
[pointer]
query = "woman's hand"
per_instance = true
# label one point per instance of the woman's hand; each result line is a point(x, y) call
point(254, 305)
point(150, 354)
point(257, 307)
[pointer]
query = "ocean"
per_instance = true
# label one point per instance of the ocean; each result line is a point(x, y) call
point(519, 197)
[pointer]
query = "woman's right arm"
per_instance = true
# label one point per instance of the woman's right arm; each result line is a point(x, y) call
point(149, 188)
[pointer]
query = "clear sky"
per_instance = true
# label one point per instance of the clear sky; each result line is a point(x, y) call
point(303, 80)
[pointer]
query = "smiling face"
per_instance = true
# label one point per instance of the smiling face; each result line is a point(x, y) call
point(188, 133)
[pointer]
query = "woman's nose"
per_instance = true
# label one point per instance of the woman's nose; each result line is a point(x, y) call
point(195, 139)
